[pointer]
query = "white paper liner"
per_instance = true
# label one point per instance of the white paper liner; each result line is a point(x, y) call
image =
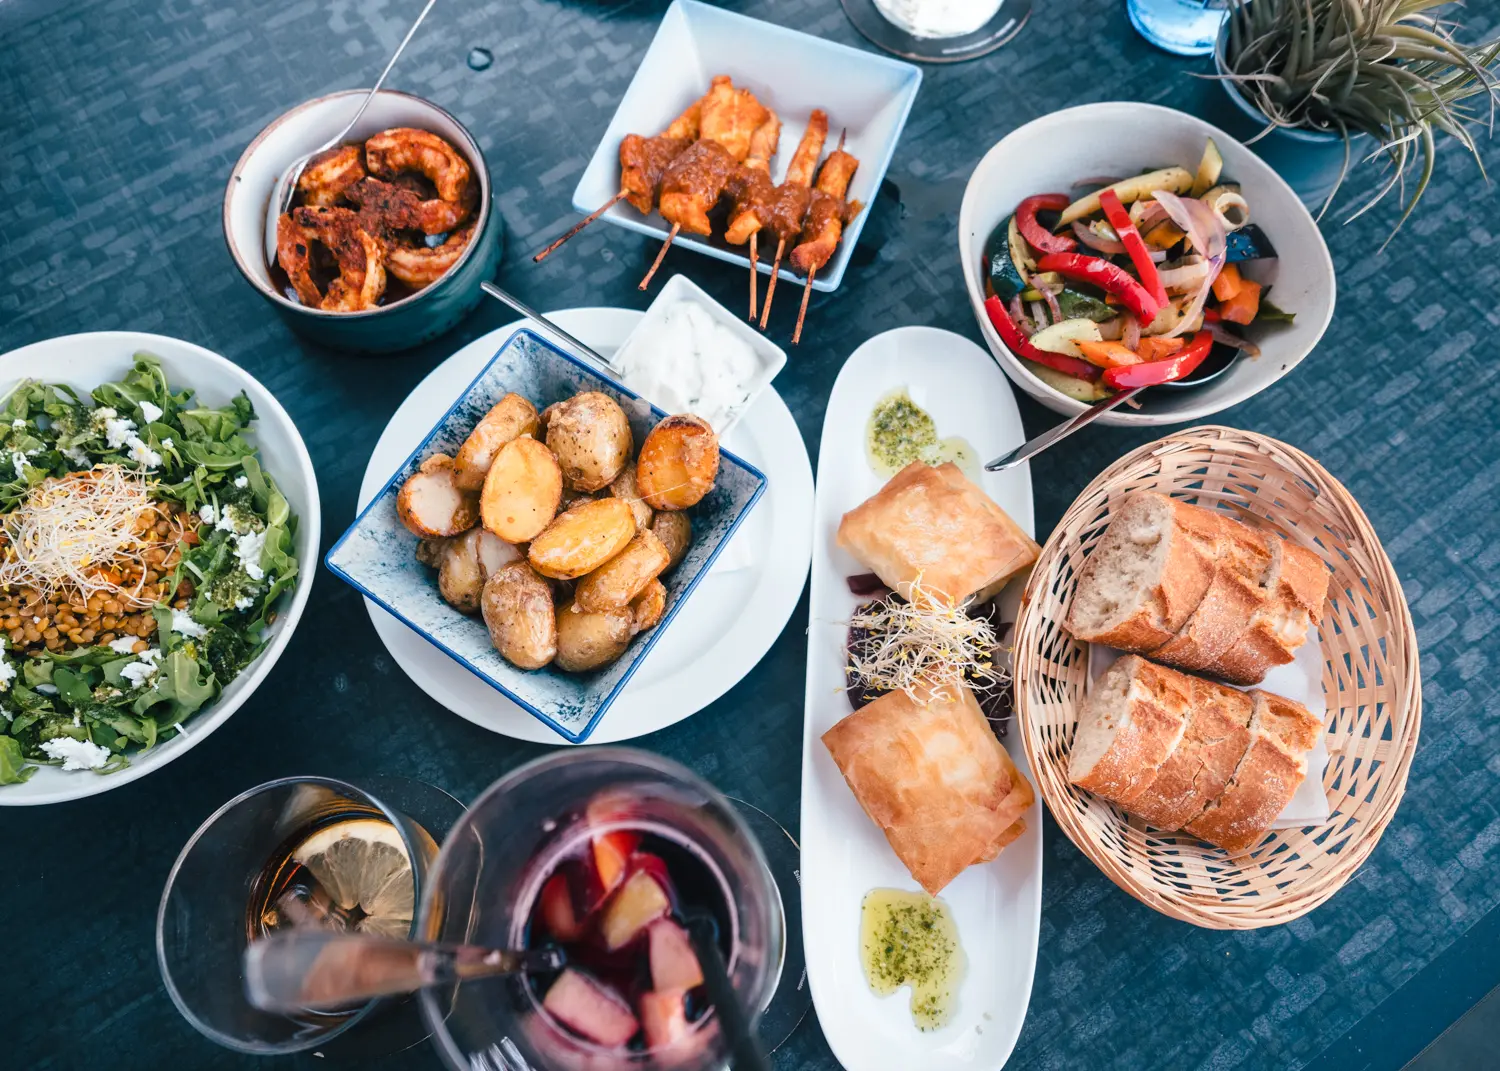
point(1300, 679)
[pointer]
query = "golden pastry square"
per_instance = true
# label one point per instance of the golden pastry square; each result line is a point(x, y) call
point(931, 774)
point(932, 522)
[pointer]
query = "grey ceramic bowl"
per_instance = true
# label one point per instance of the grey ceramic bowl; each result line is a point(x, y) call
point(397, 326)
point(377, 555)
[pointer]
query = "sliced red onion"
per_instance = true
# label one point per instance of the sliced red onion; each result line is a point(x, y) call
point(1157, 255)
point(1051, 299)
point(1206, 233)
point(1095, 241)
point(1016, 313)
point(1149, 215)
point(1039, 314)
point(1130, 335)
point(1229, 338)
point(1185, 278)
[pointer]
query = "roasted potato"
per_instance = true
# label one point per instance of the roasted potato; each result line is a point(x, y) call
point(587, 641)
point(431, 504)
point(509, 418)
point(571, 498)
point(544, 418)
point(649, 605)
point(430, 552)
point(618, 581)
point(466, 562)
point(590, 435)
point(521, 491)
point(582, 539)
point(517, 608)
point(678, 462)
point(624, 487)
point(675, 531)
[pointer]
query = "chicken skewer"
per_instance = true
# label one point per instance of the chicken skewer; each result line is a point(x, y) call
point(692, 183)
point(788, 204)
point(751, 187)
point(642, 161)
point(825, 222)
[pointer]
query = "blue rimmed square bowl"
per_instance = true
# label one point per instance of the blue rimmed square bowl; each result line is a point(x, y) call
point(377, 555)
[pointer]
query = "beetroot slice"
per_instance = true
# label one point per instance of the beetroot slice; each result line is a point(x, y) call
point(590, 1008)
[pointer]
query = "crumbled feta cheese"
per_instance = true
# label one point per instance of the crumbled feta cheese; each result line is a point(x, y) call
point(77, 722)
point(118, 431)
point(18, 423)
point(46, 689)
point(244, 602)
point(207, 514)
point(77, 456)
point(150, 412)
point(7, 674)
point(150, 656)
point(9, 717)
point(104, 413)
point(76, 754)
point(124, 644)
point(167, 443)
point(18, 460)
point(143, 455)
point(242, 481)
point(248, 548)
point(183, 622)
point(139, 672)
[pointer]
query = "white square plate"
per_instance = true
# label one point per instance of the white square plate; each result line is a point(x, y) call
point(792, 73)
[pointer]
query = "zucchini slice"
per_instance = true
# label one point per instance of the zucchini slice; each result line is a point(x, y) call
point(1209, 168)
point(1136, 188)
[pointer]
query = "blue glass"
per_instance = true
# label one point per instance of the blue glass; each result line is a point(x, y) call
point(1186, 27)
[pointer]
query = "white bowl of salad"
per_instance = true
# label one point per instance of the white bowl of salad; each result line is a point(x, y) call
point(159, 522)
point(1118, 245)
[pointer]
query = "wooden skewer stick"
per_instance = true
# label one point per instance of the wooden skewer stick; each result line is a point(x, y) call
point(754, 285)
point(582, 223)
point(765, 310)
point(660, 256)
point(802, 312)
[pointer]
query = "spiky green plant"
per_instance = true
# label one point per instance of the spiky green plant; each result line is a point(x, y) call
point(1387, 68)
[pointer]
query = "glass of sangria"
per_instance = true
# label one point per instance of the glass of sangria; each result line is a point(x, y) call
point(611, 855)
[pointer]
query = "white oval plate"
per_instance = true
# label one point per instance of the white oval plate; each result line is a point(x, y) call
point(84, 361)
point(844, 855)
point(717, 637)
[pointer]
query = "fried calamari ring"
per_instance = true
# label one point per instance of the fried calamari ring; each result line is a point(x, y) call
point(359, 255)
point(404, 149)
point(419, 266)
point(329, 174)
point(385, 208)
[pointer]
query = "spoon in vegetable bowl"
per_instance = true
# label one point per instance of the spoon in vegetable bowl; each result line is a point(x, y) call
point(286, 186)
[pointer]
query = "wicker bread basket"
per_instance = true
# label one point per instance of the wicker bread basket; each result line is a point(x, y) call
point(1370, 681)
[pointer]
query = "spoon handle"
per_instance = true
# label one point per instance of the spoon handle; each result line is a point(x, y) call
point(587, 352)
point(745, 1053)
point(324, 970)
point(389, 64)
point(1031, 447)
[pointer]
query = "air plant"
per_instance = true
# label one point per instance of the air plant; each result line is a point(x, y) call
point(1386, 68)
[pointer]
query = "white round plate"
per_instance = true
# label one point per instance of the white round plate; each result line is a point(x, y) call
point(84, 361)
point(726, 627)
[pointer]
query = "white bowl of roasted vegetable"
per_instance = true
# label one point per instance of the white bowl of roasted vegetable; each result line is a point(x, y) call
point(1122, 245)
point(157, 514)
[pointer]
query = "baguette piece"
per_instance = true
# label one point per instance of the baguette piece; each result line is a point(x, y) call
point(1237, 592)
point(1131, 721)
point(1282, 732)
point(1147, 574)
point(1297, 584)
point(1216, 738)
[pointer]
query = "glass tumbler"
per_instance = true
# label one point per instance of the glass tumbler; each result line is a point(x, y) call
point(491, 870)
point(205, 919)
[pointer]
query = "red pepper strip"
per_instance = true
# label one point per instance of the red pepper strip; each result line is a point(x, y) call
point(1035, 234)
point(1130, 238)
point(1211, 316)
point(1153, 373)
point(1021, 346)
point(1105, 276)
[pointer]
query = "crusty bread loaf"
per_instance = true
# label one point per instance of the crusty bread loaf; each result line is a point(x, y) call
point(1234, 596)
point(1281, 733)
point(1131, 721)
point(1217, 734)
point(1147, 574)
point(1296, 585)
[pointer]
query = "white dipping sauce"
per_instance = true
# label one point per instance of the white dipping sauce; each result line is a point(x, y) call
point(687, 362)
point(938, 18)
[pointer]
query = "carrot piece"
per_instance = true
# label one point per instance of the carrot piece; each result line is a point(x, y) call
point(1164, 235)
point(1154, 347)
point(1241, 308)
point(1227, 283)
point(1108, 354)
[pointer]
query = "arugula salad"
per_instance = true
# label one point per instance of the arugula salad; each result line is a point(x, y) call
point(143, 551)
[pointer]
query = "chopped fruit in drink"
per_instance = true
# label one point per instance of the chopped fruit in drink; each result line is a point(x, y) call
point(590, 1008)
point(557, 910)
point(612, 856)
point(663, 1017)
point(638, 903)
point(674, 964)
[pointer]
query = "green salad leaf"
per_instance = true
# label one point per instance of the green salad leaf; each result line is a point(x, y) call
point(231, 575)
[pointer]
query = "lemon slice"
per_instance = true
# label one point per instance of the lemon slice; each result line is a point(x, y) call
point(362, 864)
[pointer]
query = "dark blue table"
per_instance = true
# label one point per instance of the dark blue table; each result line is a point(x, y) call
point(119, 122)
